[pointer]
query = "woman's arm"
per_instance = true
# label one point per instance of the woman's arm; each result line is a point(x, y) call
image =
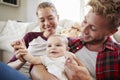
point(39, 72)
point(16, 64)
point(17, 61)
point(23, 53)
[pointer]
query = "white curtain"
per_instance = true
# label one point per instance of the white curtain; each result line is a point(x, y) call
point(71, 9)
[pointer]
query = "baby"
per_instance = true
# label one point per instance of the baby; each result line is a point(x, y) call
point(57, 53)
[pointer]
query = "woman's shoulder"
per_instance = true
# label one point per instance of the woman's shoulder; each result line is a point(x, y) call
point(33, 34)
point(30, 36)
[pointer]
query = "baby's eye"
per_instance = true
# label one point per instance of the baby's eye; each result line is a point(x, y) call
point(48, 45)
point(58, 45)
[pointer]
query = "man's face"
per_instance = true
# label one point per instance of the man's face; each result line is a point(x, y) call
point(95, 28)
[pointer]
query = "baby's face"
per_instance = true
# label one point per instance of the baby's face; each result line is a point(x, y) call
point(56, 47)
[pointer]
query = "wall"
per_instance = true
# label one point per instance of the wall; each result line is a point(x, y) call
point(31, 9)
point(13, 13)
point(25, 12)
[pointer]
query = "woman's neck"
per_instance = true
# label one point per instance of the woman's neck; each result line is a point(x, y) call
point(47, 35)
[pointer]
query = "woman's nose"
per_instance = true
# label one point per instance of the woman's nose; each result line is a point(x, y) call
point(46, 22)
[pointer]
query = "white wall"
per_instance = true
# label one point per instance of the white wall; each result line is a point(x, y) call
point(31, 9)
point(13, 13)
point(25, 12)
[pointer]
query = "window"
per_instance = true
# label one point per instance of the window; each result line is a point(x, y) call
point(68, 9)
point(71, 9)
point(14, 3)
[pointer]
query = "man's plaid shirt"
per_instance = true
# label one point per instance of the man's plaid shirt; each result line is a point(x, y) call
point(107, 62)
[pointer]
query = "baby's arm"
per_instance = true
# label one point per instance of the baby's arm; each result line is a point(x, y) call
point(26, 55)
point(32, 59)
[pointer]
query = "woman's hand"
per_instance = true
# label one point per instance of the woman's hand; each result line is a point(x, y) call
point(76, 72)
point(19, 46)
point(39, 72)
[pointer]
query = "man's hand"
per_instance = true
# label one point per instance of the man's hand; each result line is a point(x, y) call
point(76, 71)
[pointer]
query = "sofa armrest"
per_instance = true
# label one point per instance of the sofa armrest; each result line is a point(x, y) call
point(0, 55)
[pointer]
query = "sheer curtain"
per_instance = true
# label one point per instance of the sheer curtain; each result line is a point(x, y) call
point(71, 9)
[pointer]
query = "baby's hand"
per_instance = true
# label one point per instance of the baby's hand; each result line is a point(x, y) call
point(69, 56)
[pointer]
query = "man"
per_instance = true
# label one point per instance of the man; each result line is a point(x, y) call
point(95, 49)
point(8, 73)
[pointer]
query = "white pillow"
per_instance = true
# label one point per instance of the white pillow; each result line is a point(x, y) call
point(14, 28)
point(33, 27)
point(12, 31)
point(2, 25)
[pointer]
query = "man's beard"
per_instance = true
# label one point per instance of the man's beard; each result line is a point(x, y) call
point(94, 41)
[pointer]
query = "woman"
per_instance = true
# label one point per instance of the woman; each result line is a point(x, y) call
point(57, 54)
point(36, 41)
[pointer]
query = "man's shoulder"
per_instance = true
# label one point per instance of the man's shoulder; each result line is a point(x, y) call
point(75, 44)
point(73, 40)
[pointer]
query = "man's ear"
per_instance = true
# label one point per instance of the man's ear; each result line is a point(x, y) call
point(113, 31)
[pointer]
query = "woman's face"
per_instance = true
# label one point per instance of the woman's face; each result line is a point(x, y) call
point(48, 20)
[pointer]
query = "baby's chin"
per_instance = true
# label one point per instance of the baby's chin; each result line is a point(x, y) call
point(54, 55)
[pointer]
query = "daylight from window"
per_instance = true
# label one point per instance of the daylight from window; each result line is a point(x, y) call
point(70, 9)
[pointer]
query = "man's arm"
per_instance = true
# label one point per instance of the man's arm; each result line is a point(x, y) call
point(76, 72)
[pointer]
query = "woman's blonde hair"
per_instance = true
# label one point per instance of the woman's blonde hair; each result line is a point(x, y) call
point(46, 5)
point(108, 8)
